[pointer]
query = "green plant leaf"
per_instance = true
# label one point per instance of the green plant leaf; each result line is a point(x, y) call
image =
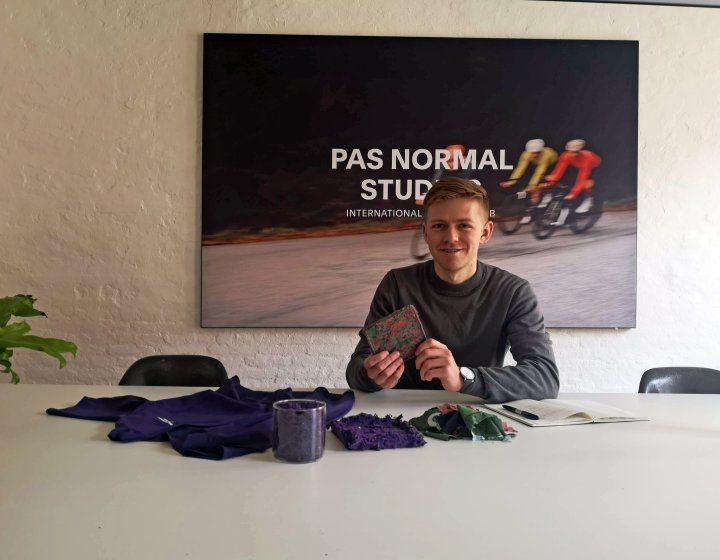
point(20, 306)
point(6, 366)
point(54, 347)
point(5, 355)
point(15, 335)
point(15, 329)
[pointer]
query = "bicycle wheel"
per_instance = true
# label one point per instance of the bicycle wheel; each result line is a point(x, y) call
point(582, 222)
point(511, 213)
point(545, 219)
point(418, 248)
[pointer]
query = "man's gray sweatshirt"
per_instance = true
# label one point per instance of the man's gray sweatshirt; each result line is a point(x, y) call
point(478, 321)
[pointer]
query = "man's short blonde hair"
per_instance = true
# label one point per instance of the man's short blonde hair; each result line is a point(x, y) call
point(451, 188)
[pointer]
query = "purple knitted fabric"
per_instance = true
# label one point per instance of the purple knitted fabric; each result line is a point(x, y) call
point(369, 431)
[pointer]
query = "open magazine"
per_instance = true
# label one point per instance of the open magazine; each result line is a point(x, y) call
point(557, 412)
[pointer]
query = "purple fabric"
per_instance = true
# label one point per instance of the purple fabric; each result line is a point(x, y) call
point(369, 431)
point(228, 422)
point(108, 409)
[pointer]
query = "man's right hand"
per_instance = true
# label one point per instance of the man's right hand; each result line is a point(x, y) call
point(384, 369)
point(506, 184)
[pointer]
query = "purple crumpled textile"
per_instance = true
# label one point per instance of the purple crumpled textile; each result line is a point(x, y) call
point(228, 422)
point(369, 431)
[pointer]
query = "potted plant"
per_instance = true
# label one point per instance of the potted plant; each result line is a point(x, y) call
point(14, 335)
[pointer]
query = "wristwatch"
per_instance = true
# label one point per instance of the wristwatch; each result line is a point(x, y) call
point(467, 374)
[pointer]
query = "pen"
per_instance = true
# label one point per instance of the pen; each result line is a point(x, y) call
point(524, 414)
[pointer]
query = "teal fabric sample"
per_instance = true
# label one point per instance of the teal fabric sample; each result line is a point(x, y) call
point(462, 422)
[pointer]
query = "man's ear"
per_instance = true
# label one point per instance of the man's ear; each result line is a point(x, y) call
point(487, 232)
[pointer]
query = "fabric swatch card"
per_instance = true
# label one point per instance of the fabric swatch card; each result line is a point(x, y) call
point(401, 331)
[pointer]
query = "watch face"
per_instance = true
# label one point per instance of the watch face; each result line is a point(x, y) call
point(467, 374)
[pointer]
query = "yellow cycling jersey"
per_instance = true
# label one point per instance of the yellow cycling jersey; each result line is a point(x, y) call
point(545, 159)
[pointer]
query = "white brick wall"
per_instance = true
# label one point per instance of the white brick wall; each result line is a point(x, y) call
point(99, 175)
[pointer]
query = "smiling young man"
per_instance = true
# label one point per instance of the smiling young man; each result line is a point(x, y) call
point(472, 312)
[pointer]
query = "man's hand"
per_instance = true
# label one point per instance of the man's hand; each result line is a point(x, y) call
point(506, 184)
point(435, 361)
point(384, 368)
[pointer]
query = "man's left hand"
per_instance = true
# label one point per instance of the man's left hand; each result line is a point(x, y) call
point(435, 361)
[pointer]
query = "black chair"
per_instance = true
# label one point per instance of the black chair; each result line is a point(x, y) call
point(176, 370)
point(680, 380)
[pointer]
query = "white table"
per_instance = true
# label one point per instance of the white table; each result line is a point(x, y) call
point(628, 491)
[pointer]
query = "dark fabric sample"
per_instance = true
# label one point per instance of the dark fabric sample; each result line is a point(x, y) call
point(462, 422)
point(228, 422)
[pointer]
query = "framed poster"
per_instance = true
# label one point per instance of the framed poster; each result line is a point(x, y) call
point(316, 150)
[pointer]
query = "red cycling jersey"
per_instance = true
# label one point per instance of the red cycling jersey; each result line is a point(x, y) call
point(584, 160)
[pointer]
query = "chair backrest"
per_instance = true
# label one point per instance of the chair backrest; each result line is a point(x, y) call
point(188, 370)
point(680, 380)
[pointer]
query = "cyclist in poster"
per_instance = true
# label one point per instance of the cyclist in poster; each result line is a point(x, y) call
point(585, 161)
point(542, 157)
